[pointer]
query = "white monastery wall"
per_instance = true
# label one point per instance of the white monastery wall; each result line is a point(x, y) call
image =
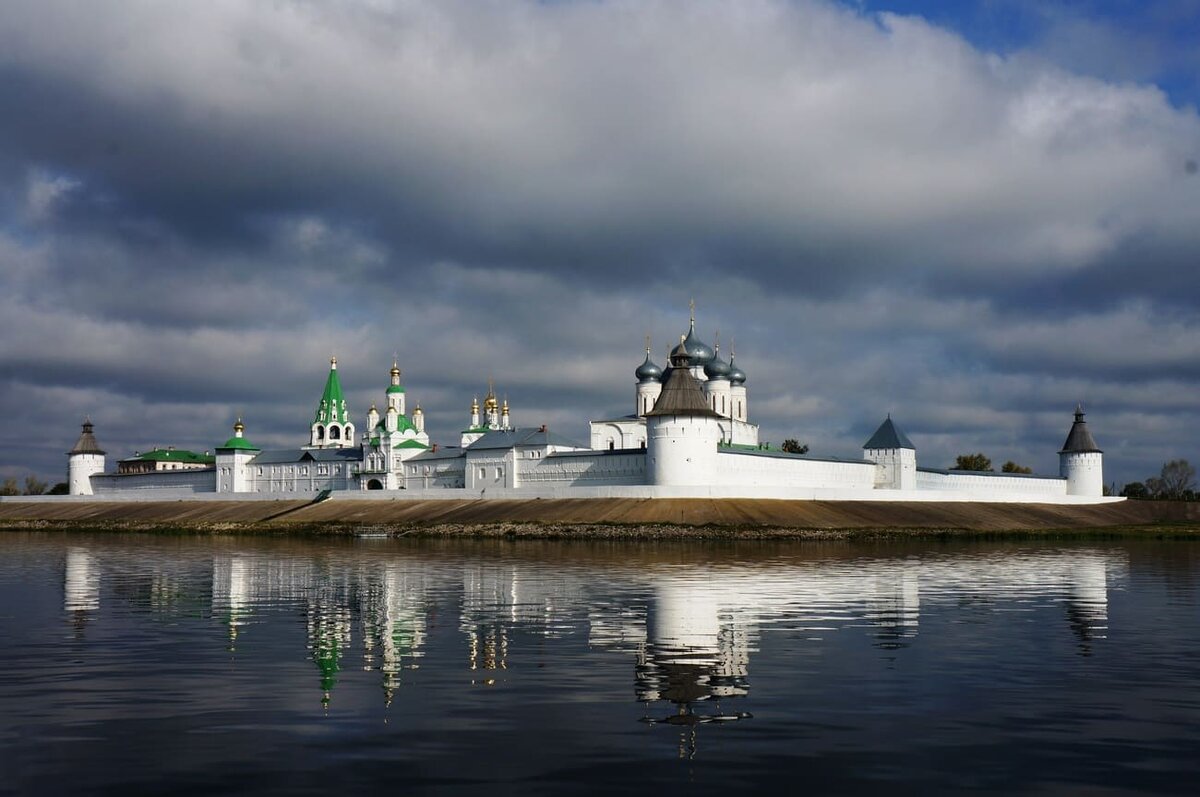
point(161, 482)
point(589, 468)
point(985, 485)
point(738, 468)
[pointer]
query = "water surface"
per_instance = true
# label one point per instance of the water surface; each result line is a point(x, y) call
point(202, 665)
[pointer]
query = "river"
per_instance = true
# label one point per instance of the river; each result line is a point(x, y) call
point(210, 664)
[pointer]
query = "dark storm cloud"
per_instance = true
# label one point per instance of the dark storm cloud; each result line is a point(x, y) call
point(202, 203)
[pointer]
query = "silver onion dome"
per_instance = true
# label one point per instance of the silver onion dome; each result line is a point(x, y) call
point(716, 367)
point(648, 371)
point(736, 375)
point(699, 353)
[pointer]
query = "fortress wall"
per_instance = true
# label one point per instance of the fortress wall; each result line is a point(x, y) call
point(584, 469)
point(735, 468)
point(980, 487)
point(164, 483)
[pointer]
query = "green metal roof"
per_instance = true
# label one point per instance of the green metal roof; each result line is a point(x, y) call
point(239, 442)
point(395, 389)
point(173, 455)
point(403, 424)
point(332, 408)
point(411, 444)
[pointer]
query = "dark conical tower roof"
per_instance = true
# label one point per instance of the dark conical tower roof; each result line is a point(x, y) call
point(86, 444)
point(681, 394)
point(1079, 439)
point(888, 435)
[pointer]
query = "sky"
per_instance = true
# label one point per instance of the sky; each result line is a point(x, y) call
point(970, 215)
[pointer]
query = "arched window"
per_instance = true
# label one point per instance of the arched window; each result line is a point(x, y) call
point(320, 432)
point(611, 445)
point(335, 433)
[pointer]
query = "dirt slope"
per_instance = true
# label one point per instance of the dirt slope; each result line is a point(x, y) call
point(678, 512)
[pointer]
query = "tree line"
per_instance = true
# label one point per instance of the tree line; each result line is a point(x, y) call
point(979, 462)
point(33, 486)
point(1175, 482)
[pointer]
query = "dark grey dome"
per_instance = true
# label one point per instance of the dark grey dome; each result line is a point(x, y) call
point(699, 352)
point(717, 368)
point(736, 375)
point(648, 371)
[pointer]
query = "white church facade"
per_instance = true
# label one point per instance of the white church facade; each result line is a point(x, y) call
point(690, 435)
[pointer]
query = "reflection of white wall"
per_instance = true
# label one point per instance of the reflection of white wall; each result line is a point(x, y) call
point(820, 594)
point(685, 616)
point(81, 588)
point(231, 584)
point(1088, 592)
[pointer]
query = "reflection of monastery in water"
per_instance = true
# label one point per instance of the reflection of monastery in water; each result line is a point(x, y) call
point(690, 633)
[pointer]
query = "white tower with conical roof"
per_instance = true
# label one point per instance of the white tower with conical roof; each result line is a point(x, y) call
point(682, 432)
point(894, 455)
point(1081, 462)
point(84, 461)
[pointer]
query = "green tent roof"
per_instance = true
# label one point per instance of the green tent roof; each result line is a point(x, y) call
point(332, 408)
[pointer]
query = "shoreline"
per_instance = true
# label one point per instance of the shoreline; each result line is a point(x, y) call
point(616, 519)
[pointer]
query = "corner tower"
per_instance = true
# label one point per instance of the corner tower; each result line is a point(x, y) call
point(1081, 462)
point(83, 461)
point(332, 428)
point(894, 455)
point(682, 432)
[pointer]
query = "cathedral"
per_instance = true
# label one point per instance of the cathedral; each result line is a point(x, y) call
point(689, 435)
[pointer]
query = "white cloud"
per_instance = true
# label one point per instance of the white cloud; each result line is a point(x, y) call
point(44, 191)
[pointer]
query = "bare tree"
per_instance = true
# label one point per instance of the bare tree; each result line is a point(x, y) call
point(10, 487)
point(34, 485)
point(1174, 483)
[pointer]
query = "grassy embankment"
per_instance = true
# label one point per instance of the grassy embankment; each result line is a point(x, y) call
point(615, 518)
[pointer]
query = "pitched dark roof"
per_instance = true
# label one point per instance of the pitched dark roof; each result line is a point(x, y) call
point(1079, 439)
point(86, 444)
point(888, 435)
point(283, 456)
point(443, 452)
point(510, 438)
point(681, 395)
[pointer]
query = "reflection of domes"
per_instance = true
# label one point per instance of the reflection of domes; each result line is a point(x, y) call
point(648, 371)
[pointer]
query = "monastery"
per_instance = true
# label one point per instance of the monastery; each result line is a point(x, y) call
point(689, 435)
